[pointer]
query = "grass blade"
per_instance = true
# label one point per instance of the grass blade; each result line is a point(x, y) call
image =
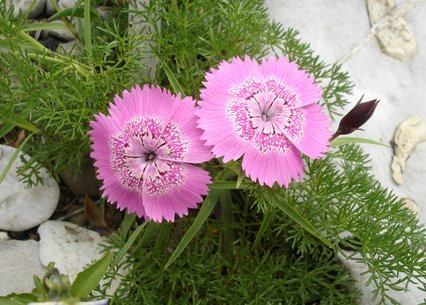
point(13, 158)
point(127, 222)
point(206, 209)
point(266, 222)
point(240, 178)
point(120, 254)
point(294, 214)
point(348, 140)
point(228, 218)
point(17, 299)
point(68, 12)
point(228, 185)
point(44, 26)
point(89, 279)
point(8, 301)
point(6, 129)
point(172, 79)
point(24, 124)
point(149, 232)
point(87, 29)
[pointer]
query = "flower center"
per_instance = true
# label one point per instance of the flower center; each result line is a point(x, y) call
point(150, 156)
point(265, 117)
point(144, 155)
point(266, 114)
point(269, 113)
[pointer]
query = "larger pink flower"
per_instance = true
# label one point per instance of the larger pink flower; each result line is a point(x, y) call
point(267, 113)
point(145, 150)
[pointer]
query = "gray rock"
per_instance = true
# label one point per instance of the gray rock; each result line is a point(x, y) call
point(104, 12)
point(24, 5)
point(70, 47)
point(18, 263)
point(22, 208)
point(62, 4)
point(137, 25)
point(63, 34)
point(70, 247)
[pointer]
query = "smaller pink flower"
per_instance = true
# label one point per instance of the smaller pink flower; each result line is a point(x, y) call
point(145, 151)
point(266, 113)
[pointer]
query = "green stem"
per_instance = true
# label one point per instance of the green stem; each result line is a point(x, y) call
point(67, 23)
point(80, 68)
point(228, 185)
point(34, 43)
point(37, 46)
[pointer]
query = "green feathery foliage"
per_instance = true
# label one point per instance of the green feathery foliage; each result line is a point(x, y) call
point(363, 221)
point(249, 252)
point(59, 93)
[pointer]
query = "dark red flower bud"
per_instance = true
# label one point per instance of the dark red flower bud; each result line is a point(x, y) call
point(355, 118)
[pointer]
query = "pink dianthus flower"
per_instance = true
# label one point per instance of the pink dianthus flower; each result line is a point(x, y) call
point(267, 113)
point(145, 151)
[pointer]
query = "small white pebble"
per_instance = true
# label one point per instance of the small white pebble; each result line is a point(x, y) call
point(411, 205)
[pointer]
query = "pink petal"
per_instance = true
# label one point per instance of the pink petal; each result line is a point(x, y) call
point(115, 192)
point(291, 76)
point(218, 131)
point(186, 120)
point(316, 133)
point(181, 198)
point(273, 167)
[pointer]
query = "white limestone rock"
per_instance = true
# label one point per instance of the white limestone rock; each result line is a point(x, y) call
point(397, 85)
point(332, 28)
point(18, 263)
point(22, 207)
point(411, 205)
point(69, 246)
point(25, 5)
point(4, 236)
point(395, 36)
point(72, 248)
point(410, 133)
